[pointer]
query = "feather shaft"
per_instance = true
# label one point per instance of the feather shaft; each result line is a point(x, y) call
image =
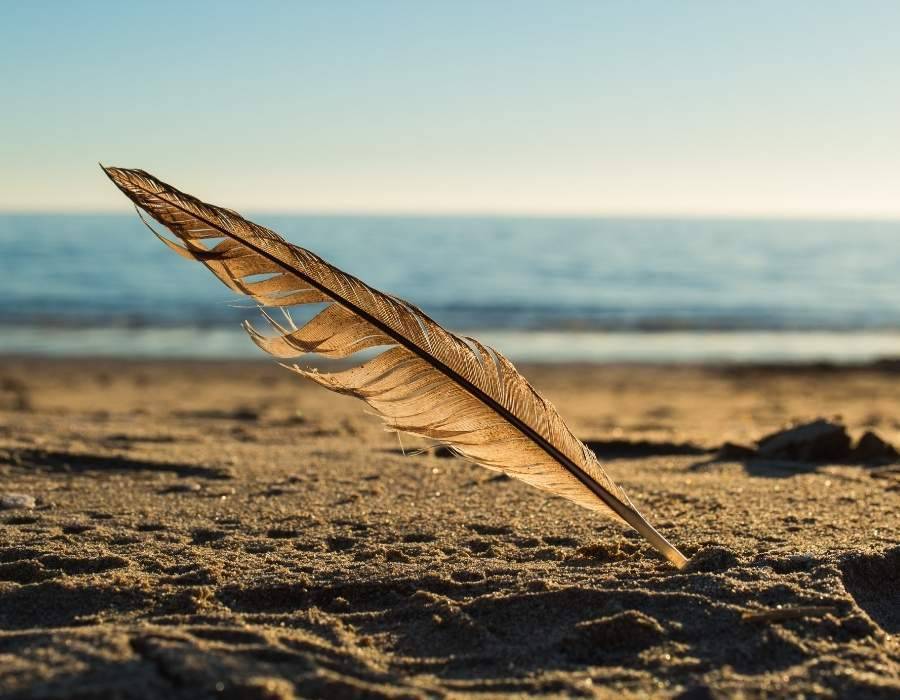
point(479, 372)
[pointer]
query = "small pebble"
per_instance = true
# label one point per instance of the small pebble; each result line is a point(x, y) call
point(8, 501)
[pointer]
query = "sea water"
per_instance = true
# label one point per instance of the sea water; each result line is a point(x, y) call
point(541, 289)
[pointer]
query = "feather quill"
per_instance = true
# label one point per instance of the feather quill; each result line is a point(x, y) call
point(425, 381)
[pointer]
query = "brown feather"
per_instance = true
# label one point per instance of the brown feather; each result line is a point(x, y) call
point(427, 381)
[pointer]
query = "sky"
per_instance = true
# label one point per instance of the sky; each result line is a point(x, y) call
point(688, 108)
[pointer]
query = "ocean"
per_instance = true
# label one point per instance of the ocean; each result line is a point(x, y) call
point(540, 289)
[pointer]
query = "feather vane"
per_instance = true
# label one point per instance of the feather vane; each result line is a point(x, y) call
point(426, 381)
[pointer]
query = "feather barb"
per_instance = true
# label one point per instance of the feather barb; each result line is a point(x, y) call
point(426, 380)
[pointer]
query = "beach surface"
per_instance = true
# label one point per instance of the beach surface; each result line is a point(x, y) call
point(225, 529)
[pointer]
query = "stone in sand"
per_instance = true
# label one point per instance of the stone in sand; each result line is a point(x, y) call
point(818, 441)
point(871, 449)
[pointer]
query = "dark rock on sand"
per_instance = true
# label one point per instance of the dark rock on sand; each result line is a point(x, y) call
point(871, 449)
point(818, 441)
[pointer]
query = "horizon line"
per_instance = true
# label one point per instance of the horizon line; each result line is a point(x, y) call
point(508, 214)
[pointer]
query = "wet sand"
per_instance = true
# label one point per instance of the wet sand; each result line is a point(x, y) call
point(227, 530)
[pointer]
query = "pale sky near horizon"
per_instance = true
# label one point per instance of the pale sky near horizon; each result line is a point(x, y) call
point(699, 107)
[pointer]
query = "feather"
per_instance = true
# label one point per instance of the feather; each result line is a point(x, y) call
point(425, 381)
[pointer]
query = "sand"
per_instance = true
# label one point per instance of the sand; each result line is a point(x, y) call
point(226, 530)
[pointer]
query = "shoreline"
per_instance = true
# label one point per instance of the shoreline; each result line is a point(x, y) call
point(888, 365)
point(534, 347)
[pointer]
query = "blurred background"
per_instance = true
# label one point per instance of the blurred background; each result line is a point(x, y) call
point(579, 181)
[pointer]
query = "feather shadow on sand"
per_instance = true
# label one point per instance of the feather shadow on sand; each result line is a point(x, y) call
point(426, 381)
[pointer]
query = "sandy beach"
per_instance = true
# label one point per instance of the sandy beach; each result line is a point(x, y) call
point(224, 529)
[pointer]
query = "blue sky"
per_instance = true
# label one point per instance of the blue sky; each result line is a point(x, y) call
point(634, 107)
